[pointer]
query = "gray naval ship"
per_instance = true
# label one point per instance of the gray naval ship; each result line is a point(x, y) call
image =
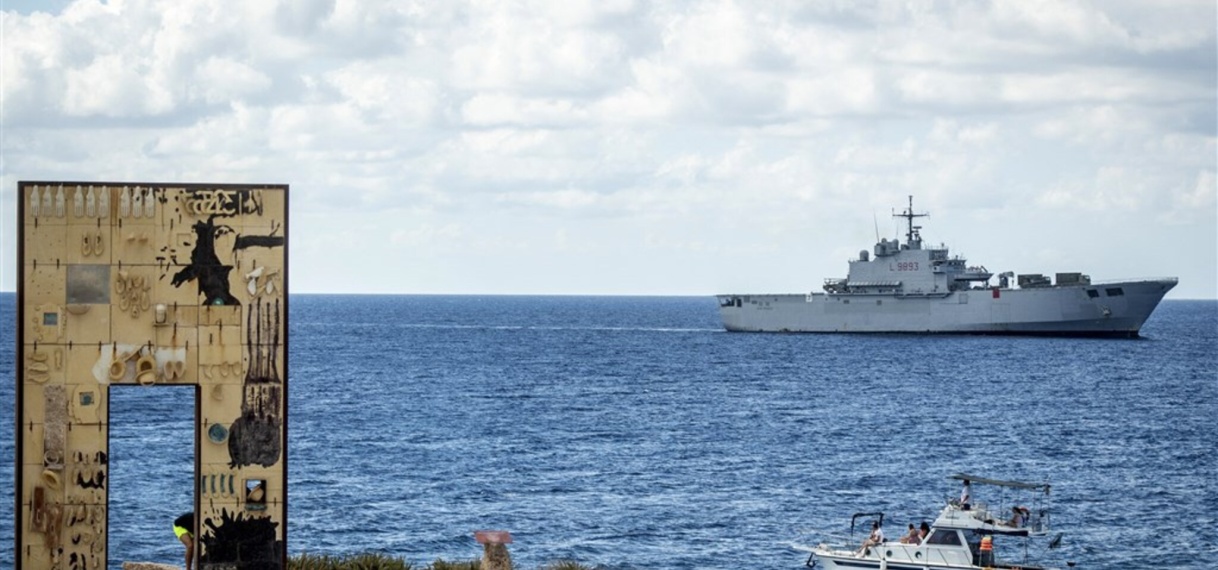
point(911, 288)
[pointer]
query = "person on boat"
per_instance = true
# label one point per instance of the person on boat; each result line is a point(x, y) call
point(184, 528)
point(965, 496)
point(876, 537)
point(913, 536)
point(923, 531)
point(1019, 517)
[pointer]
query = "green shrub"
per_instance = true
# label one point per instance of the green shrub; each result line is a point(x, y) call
point(466, 565)
point(565, 565)
point(312, 562)
point(349, 562)
point(370, 561)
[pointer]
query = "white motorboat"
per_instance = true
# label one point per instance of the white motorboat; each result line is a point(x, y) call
point(974, 535)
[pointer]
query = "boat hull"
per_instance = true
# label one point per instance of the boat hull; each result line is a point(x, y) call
point(849, 563)
point(1106, 310)
point(897, 556)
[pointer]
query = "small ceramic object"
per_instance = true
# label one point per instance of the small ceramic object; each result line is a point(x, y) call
point(35, 201)
point(145, 370)
point(137, 202)
point(51, 478)
point(59, 202)
point(103, 202)
point(217, 433)
point(118, 369)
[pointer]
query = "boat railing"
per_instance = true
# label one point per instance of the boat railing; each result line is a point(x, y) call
point(1036, 522)
point(830, 541)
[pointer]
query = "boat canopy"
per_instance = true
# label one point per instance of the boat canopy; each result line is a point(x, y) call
point(979, 521)
point(1043, 487)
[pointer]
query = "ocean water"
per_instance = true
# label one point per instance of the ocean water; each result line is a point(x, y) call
point(632, 432)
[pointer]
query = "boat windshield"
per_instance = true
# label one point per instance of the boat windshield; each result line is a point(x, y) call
point(944, 536)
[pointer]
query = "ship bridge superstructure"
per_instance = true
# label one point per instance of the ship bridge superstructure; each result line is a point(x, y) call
point(907, 268)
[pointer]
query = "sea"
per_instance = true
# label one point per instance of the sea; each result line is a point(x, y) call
point(634, 432)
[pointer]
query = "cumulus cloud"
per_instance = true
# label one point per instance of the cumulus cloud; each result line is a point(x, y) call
point(707, 128)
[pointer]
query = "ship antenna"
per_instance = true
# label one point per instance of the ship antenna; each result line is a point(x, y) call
point(876, 220)
point(911, 236)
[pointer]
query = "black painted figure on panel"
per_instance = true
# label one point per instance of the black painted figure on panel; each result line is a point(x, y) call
point(255, 438)
point(245, 543)
point(205, 266)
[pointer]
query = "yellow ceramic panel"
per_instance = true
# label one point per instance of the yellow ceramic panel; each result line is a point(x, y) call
point(177, 354)
point(32, 451)
point(45, 283)
point(87, 324)
point(131, 316)
point(228, 316)
point(87, 404)
point(32, 399)
point(262, 268)
point(45, 244)
point(185, 294)
point(274, 206)
point(186, 316)
point(79, 361)
point(136, 244)
point(54, 208)
point(40, 364)
point(84, 442)
point(87, 243)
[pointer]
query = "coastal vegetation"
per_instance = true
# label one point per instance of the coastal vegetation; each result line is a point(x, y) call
point(375, 561)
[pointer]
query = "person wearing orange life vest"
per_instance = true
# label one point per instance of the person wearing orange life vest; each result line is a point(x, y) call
point(987, 550)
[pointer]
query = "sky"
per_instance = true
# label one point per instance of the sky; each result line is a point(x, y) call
point(615, 147)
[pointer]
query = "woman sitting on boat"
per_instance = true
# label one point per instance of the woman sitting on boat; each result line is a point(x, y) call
point(876, 537)
point(1019, 516)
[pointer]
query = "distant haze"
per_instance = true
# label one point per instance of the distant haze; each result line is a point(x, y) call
point(640, 148)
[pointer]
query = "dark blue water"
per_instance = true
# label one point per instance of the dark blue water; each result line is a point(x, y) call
point(634, 433)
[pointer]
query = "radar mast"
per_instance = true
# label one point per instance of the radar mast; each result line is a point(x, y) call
point(912, 237)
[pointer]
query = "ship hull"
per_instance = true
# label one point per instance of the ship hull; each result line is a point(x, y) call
point(1103, 310)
